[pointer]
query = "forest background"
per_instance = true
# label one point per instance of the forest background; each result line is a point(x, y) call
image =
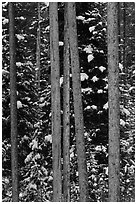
point(34, 102)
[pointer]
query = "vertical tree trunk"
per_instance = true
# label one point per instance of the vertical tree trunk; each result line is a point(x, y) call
point(119, 29)
point(78, 110)
point(13, 103)
point(55, 101)
point(66, 113)
point(124, 36)
point(38, 50)
point(114, 112)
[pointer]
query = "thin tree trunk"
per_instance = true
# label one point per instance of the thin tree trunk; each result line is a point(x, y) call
point(55, 101)
point(13, 103)
point(114, 112)
point(119, 29)
point(38, 50)
point(66, 113)
point(124, 36)
point(78, 109)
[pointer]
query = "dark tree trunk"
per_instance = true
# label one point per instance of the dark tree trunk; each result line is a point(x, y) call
point(114, 110)
point(78, 109)
point(13, 105)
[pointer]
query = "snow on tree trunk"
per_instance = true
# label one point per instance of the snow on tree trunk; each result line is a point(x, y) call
point(66, 113)
point(78, 110)
point(55, 101)
point(13, 105)
point(114, 110)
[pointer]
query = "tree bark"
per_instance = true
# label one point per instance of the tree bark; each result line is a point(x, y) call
point(13, 104)
point(66, 113)
point(114, 110)
point(78, 109)
point(55, 101)
point(38, 50)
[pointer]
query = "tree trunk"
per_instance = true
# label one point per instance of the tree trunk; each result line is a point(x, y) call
point(124, 36)
point(78, 109)
point(55, 101)
point(114, 112)
point(66, 113)
point(119, 29)
point(38, 51)
point(13, 105)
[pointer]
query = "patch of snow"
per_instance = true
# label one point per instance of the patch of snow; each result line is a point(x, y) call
point(42, 105)
point(105, 106)
point(50, 178)
point(77, 173)
point(92, 28)
point(131, 88)
point(37, 156)
point(5, 72)
point(61, 43)
point(20, 37)
point(83, 76)
point(122, 122)
point(95, 32)
point(86, 134)
point(26, 82)
point(41, 99)
point(88, 49)
point(48, 138)
point(18, 64)
point(94, 79)
point(98, 148)
point(34, 144)
point(22, 18)
point(105, 79)
point(104, 29)
point(100, 91)
point(19, 105)
point(47, 28)
point(121, 67)
point(27, 98)
point(94, 107)
point(106, 170)
point(88, 107)
point(32, 186)
point(106, 87)
point(89, 19)
point(29, 157)
point(61, 81)
point(101, 68)
point(87, 90)
point(5, 21)
point(126, 111)
point(100, 112)
point(44, 170)
point(100, 23)
point(101, 51)
point(80, 18)
point(90, 57)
